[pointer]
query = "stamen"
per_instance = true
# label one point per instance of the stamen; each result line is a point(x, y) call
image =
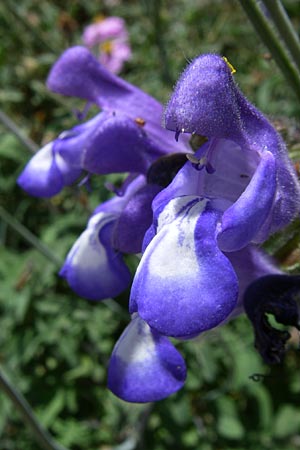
point(199, 164)
point(232, 69)
point(177, 134)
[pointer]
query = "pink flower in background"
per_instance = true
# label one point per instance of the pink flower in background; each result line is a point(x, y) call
point(111, 38)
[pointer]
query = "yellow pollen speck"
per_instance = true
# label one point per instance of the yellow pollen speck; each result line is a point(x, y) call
point(139, 121)
point(106, 47)
point(99, 18)
point(232, 69)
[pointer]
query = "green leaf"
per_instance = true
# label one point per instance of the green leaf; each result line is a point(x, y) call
point(287, 421)
point(48, 415)
point(229, 425)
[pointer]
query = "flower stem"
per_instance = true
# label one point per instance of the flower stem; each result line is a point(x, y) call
point(29, 237)
point(11, 126)
point(41, 435)
point(285, 28)
point(272, 42)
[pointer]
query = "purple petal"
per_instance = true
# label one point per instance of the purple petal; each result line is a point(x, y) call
point(144, 366)
point(93, 269)
point(249, 264)
point(134, 221)
point(109, 28)
point(184, 284)
point(204, 100)
point(118, 144)
point(41, 176)
point(77, 73)
point(242, 221)
point(116, 205)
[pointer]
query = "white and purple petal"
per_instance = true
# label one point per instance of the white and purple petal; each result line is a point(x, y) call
point(93, 269)
point(47, 172)
point(184, 284)
point(144, 366)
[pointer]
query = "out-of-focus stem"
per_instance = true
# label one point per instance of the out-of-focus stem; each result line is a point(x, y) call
point(272, 42)
point(285, 28)
point(29, 237)
point(41, 435)
point(11, 126)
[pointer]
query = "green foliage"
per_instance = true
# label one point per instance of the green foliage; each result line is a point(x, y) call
point(55, 346)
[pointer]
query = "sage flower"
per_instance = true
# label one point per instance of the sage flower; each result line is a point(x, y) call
point(126, 136)
point(236, 190)
point(109, 37)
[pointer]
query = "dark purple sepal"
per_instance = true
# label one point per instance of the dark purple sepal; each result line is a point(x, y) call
point(145, 366)
point(278, 295)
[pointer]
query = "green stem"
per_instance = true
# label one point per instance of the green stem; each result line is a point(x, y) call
point(39, 39)
point(41, 435)
point(270, 39)
point(153, 10)
point(159, 38)
point(285, 28)
point(29, 237)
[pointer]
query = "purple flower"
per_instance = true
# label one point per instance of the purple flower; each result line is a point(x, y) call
point(200, 253)
point(237, 189)
point(198, 217)
point(145, 366)
point(111, 38)
point(94, 267)
point(125, 137)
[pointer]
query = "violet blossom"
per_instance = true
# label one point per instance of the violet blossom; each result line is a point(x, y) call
point(109, 37)
point(126, 136)
point(200, 253)
point(211, 210)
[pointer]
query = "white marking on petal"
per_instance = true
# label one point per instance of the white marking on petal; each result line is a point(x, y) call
point(173, 208)
point(136, 345)
point(88, 251)
point(177, 243)
point(42, 160)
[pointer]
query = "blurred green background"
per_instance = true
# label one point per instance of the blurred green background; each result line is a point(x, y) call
point(55, 346)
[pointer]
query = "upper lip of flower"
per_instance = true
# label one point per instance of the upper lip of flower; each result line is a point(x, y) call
point(207, 101)
point(87, 79)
